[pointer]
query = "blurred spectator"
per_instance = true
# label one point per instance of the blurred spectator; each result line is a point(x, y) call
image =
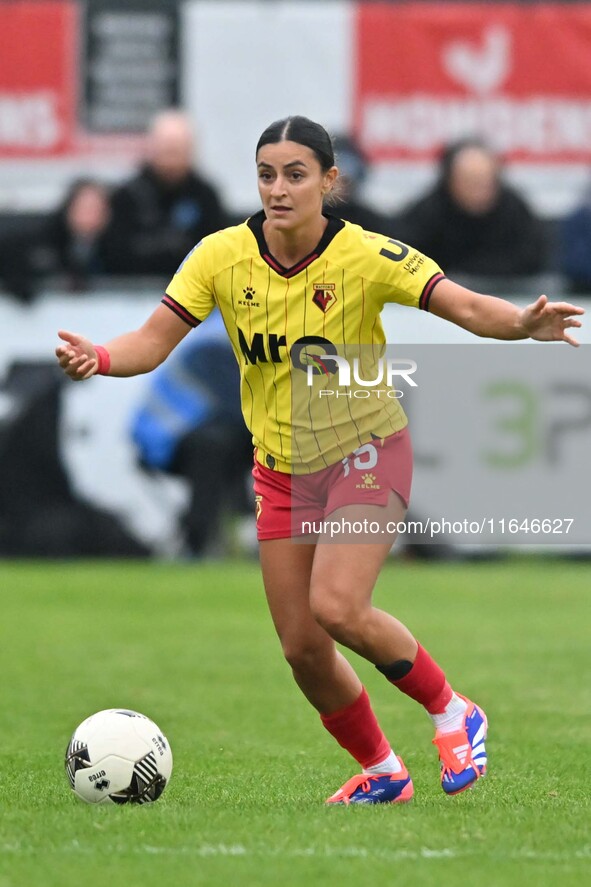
point(73, 243)
point(191, 426)
point(161, 213)
point(471, 222)
point(575, 246)
point(353, 168)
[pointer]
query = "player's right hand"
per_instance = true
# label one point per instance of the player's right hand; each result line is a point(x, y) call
point(77, 356)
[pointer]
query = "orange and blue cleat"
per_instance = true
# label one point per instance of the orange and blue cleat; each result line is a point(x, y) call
point(385, 788)
point(462, 753)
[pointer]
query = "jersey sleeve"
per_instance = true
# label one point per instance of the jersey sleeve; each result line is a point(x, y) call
point(409, 276)
point(190, 292)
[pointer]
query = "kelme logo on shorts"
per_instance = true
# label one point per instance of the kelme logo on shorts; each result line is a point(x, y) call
point(368, 482)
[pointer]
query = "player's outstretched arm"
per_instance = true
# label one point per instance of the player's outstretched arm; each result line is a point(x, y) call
point(496, 318)
point(132, 353)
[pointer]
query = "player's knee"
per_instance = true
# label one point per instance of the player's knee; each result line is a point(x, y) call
point(338, 617)
point(303, 655)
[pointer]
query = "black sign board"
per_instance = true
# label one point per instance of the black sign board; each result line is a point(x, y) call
point(129, 63)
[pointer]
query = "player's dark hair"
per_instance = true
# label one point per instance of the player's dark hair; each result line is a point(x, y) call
point(304, 132)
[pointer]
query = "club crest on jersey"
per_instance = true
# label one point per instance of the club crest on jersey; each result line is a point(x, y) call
point(324, 296)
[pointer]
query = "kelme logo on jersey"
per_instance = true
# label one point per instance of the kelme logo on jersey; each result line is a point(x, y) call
point(248, 301)
point(324, 296)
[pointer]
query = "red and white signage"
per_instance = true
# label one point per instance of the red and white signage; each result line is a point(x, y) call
point(519, 75)
point(37, 78)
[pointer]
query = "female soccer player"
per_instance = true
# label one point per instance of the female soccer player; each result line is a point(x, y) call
point(291, 283)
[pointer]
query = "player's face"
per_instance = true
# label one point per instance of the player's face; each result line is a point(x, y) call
point(292, 184)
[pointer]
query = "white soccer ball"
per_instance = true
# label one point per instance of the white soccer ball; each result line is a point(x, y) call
point(118, 756)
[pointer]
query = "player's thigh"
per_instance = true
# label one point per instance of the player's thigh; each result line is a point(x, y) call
point(287, 567)
point(347, 564)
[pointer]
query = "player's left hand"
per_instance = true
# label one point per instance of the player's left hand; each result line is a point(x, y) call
point(549, 321)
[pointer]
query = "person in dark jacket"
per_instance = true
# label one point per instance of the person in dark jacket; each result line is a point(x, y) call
point(73, 243)
point(575, 246)
point(472, 222)
point(167, 207)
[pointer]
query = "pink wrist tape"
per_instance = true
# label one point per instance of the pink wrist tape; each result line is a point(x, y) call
point(104, 360)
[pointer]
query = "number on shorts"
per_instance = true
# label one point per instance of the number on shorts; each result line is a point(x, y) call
point(359, 462)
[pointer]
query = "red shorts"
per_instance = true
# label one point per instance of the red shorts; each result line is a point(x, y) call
point(366, 477)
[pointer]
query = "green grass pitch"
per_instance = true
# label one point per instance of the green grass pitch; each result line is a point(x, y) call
point(192, 646)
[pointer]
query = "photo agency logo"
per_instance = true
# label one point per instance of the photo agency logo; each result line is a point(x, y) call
point(359, 377)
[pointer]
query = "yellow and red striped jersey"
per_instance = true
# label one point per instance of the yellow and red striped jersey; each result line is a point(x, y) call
point(279, 319)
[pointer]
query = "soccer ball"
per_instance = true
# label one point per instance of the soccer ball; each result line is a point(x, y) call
point(118, 756)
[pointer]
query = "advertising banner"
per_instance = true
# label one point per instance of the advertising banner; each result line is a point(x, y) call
point(37, 78)
point(518, 74)
point(83, 78)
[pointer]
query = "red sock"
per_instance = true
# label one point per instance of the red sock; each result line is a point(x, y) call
point(426, 683)
point(356, 729)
